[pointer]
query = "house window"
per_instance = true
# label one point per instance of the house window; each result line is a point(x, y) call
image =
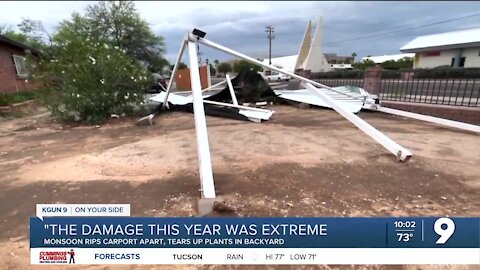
point(20, 66)
point(461, 64)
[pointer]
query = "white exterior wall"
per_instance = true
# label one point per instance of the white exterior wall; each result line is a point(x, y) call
point(472, 57)
point(445, 58)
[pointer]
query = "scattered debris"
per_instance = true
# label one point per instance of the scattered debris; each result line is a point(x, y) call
point(249, 87)
point(146, 120)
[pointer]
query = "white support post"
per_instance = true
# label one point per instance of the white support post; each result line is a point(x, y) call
point(232, 91)
point(255, 61)
point(175, 69)
point(236, 106)
point(204, 159)
point(400, 152)
point(431, 119)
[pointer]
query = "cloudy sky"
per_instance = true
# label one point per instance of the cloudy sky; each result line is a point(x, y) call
point(241, 25)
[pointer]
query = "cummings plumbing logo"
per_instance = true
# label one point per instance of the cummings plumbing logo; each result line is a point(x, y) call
point(57, 256)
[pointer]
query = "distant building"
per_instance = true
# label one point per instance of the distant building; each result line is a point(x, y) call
point(339, 62)
point(310, 57)
point(455, 49)
point(13, 66)
point(385, 58)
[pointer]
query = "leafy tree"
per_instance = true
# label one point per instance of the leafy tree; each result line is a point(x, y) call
point(243, 64)
point(364, 64)
point(181, 65)
point(213, 71)
point(8, 32)
point(354, 54)
point(35, 30)
point(224, 68)
point(406, 62)
point(216, 62)
point(32, 33)
point(119, 24)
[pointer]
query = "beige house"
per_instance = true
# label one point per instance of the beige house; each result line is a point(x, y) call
point(455, 49)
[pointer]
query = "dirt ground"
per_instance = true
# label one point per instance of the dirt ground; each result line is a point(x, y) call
point(304, 162)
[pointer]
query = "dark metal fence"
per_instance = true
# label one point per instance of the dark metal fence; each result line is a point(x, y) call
point(456, 87)
point(424, 87)
point(341, 82)
point(340, 78)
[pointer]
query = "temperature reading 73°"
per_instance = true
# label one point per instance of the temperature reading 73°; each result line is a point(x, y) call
point(404, 237)
point(444, 227)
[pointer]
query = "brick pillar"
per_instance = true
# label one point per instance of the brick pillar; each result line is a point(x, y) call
point(372, 80)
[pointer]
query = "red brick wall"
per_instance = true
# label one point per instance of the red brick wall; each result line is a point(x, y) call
point(9, 81)
point(183, 81)
point(372, 79)
point(463, 114)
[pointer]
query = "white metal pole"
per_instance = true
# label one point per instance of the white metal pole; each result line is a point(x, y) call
point(255, 61)
point(236, 106)
point(402, 153)
point(232, 92)
point(431, 119)
point(175, 69)
point(204, 159)
point(213, 86)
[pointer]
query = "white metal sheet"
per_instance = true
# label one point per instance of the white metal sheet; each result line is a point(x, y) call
point(178, 98)
point(254, 114)
point(307, 96)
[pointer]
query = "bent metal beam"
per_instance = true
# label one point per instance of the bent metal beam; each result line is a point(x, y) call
point(203, 147)
point(400, 152)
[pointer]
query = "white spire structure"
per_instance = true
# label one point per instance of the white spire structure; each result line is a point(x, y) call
point(305, 47)
point(316, 61)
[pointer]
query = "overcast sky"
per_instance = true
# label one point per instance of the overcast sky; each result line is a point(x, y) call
point(241, 25)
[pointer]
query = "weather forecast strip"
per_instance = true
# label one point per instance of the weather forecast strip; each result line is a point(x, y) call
point(142, 240)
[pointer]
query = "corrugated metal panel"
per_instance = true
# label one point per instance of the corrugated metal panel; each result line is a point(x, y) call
point(353, 104)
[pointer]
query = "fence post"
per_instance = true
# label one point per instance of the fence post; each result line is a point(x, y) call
point(372, 80)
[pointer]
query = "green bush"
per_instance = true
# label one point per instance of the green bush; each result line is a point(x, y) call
point(41, 95)
point(94, 80)
point(447, 73)
point(7, 99)
point(243, 64)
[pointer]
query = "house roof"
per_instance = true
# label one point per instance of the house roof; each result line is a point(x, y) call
point(448, 40)
point(384, 58)
point(17, 44)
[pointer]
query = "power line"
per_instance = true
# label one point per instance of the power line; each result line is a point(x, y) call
point(403, 29)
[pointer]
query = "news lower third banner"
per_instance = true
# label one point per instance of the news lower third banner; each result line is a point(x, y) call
point(208, 240)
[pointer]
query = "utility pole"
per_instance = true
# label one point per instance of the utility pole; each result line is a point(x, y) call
point(199, 55)
point(269, 29)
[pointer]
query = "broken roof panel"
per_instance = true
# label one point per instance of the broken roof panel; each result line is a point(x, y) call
point(352, 103)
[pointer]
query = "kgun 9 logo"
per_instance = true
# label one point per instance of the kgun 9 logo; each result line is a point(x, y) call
point(444, 227)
